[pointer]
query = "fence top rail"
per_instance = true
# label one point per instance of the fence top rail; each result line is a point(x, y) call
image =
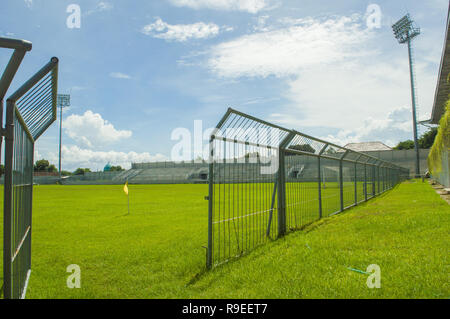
point(34, 103)
point(16, 44)
point(20, 47)
point(34, 79)
point(240, 126)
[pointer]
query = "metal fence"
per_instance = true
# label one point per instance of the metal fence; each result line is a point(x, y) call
point(29, 112)
point(265, 180)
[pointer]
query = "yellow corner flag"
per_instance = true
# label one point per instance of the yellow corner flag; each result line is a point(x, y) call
point(125, 188)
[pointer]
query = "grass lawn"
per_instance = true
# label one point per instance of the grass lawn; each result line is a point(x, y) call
point(156, 252)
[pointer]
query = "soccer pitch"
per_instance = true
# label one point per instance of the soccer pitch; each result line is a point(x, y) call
point(153, 252)
point(156, 251)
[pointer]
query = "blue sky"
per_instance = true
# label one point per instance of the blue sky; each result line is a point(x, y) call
point(137, 70)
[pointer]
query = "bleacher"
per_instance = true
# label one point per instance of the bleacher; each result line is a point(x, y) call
point(297, 169)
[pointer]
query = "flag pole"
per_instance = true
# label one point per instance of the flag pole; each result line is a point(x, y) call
point(125, 189)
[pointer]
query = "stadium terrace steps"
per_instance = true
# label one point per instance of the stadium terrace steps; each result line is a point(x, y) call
point(192, 173)
point(127, 175)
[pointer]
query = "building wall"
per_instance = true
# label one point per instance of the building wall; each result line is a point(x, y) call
point(404, 158)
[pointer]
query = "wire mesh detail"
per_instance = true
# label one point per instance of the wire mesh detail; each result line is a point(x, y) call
point(37, 107)
point(265, 180)
point(30, 111)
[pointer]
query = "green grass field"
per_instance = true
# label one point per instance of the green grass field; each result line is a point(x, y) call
point(156, 252)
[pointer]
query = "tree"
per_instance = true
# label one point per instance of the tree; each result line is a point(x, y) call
point(44, 166)
point(41, 165)
point(425, 141)
point(405, 145)
point(81, 171)
point(2, 169)
point(66, 173)
point(116, 169)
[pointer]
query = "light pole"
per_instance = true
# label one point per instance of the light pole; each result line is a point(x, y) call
point(62, 101)
point(405, 32)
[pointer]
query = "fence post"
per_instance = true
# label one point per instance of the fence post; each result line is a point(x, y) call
point(341, 180)
point(320, 179)
point(356, 179)
point(365, 181)
point(282, 185)
point(210, 202)
point(7, 203)
point(378, 178)
point(356, 185)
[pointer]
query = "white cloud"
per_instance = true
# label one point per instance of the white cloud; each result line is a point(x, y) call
point(91, 130)
point(7, 34)
point(363, 101)
point(103, 6)
point(181, 32)
point(74, 157)
point(100, 7)
point(261, 24)
point(29, 3)
point(287, 50)
point(393, 127)
point(251, 6)
point(118, 75)
point(336, 77)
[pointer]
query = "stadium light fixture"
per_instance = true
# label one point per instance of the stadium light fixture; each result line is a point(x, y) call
point(405, 31)
point(63, 100)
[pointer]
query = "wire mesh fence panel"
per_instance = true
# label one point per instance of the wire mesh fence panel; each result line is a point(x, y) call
point(22, 175)
point(348, 183)
point(265, 180)
point(30, 111)
point(383, 179)
point(302, 196)
point(361, 186)
point(331, 201)
point(243, 207)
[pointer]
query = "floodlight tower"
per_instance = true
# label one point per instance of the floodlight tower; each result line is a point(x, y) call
point(405, 31)
point(62, 101)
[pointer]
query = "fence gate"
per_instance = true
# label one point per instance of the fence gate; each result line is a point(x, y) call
point(29, 112)
point(265, 180)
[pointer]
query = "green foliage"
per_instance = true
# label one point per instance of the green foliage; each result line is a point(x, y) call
point(2, 169)
point(44, 165)
point(425, 141)
point(41, 165)
point(442, 141)
point(81, 171)
point(405, 145)
point(116, 169)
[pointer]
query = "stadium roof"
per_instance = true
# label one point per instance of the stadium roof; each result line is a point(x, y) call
point(443, 86)
point(368, 146)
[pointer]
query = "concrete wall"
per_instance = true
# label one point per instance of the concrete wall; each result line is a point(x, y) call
point(404, 158)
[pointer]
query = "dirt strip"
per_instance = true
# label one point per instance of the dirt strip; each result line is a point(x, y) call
point(441, 190)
